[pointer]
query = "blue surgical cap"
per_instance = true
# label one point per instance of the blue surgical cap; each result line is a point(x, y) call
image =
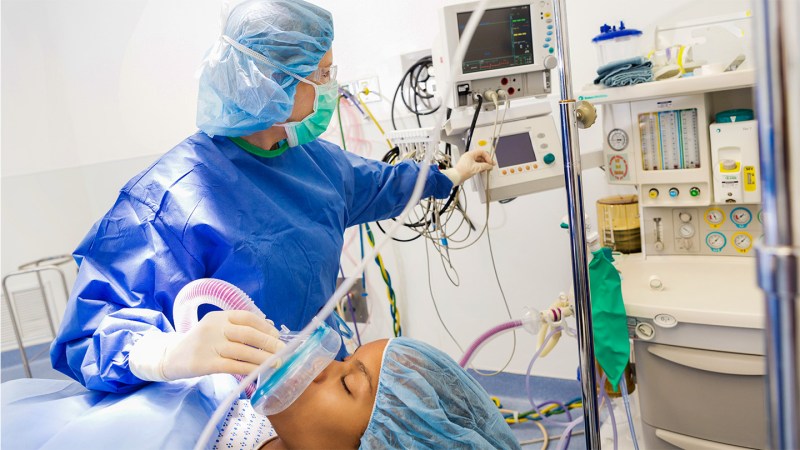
point(425, 400)
point(240, 95)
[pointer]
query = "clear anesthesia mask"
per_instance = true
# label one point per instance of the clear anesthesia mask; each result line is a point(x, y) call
point(278, 387)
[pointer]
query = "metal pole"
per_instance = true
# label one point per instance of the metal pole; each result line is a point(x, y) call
point(778, 77)
point(577, 228)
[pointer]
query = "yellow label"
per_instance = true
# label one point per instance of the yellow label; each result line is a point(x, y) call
point(750, 178)
point(482, 143)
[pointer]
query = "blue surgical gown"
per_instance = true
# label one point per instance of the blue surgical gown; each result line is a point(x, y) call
point(209, 209)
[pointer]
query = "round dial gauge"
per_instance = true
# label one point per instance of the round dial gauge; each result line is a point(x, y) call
point(715, 216)
point(742, 241)
point(687, 230)
point(618, 139)
point(716, 241)
point(741, 216)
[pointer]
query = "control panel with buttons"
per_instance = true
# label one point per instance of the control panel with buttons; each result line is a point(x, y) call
point(528, 156)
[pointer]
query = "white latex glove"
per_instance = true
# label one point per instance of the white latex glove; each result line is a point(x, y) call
point(469, 164)
point(233, 342)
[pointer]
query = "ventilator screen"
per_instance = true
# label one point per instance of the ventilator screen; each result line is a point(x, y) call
point(514, 150)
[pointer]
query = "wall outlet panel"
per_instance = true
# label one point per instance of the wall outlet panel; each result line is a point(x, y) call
point(358, 300)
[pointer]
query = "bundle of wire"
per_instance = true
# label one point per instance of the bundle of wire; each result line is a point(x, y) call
point(345, 286)
point(415, 90)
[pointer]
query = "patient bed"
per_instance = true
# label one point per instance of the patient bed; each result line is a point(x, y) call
point(59, 414)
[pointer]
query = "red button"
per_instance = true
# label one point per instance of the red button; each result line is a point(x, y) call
point(511, 91)
point(504, 81)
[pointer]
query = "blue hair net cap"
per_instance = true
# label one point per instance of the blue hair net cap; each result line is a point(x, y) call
point(240, 95)
point(425, 400)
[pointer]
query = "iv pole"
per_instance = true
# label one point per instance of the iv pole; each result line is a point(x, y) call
point(777, 95)
point(577, 230)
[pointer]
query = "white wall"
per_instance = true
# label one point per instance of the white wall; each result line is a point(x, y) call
point(93, 90)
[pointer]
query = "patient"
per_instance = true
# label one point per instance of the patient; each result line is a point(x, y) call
point(399, 393)
point(390, 394)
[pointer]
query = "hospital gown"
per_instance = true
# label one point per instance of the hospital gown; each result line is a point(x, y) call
point(209, 209)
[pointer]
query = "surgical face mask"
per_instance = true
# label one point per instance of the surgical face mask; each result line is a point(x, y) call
point(326, 95)
point(312, 127)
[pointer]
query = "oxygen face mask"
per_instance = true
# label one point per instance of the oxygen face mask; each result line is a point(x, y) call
point(280, 387)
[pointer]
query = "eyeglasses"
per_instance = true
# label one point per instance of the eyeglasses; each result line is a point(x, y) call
point(323, 75)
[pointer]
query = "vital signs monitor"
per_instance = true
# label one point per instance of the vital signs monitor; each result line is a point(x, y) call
point(513, 49)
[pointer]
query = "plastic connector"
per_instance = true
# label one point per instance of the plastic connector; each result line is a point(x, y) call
point(492, 96)
point(532, 320)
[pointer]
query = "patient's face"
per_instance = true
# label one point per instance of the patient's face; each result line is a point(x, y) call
point(334, 410)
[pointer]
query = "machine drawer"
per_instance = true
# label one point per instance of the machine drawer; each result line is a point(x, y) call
point(708, 395)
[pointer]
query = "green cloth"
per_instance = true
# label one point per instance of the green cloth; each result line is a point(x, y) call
point(609, 320)
point(256, 150)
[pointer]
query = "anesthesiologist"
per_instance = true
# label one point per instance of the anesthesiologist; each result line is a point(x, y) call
point(254, 198)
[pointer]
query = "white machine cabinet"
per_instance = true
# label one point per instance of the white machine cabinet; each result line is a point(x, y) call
point(694, 308)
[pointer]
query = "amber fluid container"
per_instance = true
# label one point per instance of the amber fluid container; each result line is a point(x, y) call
point(619, 225)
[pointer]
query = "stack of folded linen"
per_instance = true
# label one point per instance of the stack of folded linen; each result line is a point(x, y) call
point(625, 72)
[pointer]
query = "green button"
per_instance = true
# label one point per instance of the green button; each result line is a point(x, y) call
point(694, 192)
point(549, 158)
point(552, 50)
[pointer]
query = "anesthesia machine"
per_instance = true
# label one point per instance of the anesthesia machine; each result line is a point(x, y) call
point(689, 146)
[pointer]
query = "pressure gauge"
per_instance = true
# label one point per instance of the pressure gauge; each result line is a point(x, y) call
point(715, 217)
point(686, 230)
point(716, 241)
point(618, 139)
point(741, 217)
point(742, 241)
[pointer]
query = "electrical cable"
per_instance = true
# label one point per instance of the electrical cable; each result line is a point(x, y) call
point(393, 310)
point(435, 306)
point(505, 302)
point(478, 107)
point(417, 89)
point(339, 116)
point(536, 441)
point(495, 137)
point(372, 116)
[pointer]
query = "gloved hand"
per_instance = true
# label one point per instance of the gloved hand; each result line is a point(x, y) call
point(233, 342)
point(470, 164)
